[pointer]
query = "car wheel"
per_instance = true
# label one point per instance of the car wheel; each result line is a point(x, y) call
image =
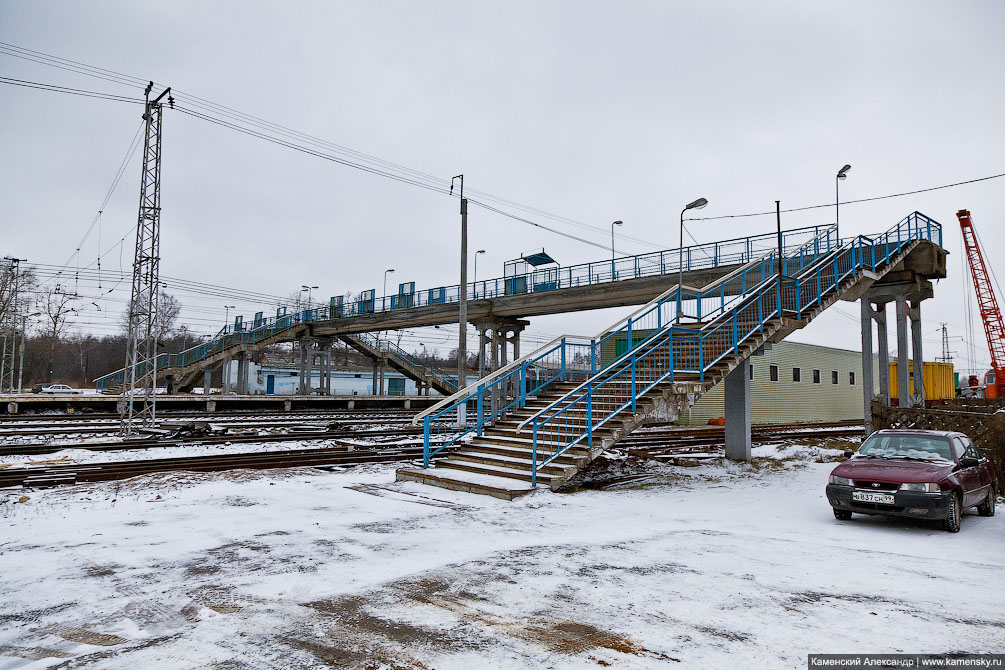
point(987, 508)
point(954, 516)
point(841, 514)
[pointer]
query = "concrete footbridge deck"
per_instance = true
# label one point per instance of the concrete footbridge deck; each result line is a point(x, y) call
point(496, 307)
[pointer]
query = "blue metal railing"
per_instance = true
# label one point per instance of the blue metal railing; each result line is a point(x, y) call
point(728, 252)
point(575, 416)
point(573, 358)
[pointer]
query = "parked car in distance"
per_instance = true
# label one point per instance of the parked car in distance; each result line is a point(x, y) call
point(61, 389)
point(922, 474)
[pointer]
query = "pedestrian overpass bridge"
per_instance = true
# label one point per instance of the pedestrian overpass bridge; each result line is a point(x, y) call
point(714, 275)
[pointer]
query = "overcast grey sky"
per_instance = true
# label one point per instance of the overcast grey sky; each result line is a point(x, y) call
point(594, 111)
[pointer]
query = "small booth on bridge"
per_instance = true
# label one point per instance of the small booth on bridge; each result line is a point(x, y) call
point(534, 270)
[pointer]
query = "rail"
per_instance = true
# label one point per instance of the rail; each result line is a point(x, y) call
point(674, 350)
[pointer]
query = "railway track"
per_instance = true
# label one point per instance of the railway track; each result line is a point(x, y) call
point(61, 475)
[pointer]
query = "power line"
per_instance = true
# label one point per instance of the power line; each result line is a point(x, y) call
point(71, 91)
point(850, 202)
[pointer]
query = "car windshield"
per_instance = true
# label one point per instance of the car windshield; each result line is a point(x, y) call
point(909, 447)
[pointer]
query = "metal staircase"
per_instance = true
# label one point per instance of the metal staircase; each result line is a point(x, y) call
point(402, 361)
point(547, 415)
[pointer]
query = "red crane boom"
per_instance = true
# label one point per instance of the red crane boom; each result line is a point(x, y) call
point(994, 327)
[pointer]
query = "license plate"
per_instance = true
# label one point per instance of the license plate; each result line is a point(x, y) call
point(869, 496)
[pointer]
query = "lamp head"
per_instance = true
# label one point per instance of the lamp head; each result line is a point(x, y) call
point(617, 223)
point(843, 172)
point(697, 204)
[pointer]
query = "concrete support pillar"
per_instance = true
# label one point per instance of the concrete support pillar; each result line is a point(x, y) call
point(883, 342)
point(867, 388)
point(903, 377)
point(226, 374)
point(504, 338)
point(516, 345)
point(207, 381)
point(482, 342)
point(169, 381)
point(919, 362)
point(374, 386)
point(383, 365)
point(242, 372)
point(737, 392)
point(305, 380)
point(494, 358)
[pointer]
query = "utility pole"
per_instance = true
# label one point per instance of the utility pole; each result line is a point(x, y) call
point(947, 357)
point(462, 317)
point(141, 349)
point(9, 324)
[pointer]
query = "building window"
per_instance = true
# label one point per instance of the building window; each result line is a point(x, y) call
point(795, 374)
point(816, 376)
point(773, 373)
point(751, 371)
point(851, 378)
point(834, 376)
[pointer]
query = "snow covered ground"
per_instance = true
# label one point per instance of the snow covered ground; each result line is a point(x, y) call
point(709, 566)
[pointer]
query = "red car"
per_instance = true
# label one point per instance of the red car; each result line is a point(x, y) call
point(922, 474)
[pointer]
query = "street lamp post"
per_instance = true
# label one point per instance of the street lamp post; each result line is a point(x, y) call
point(303, 288)
point(841, 176)
point(226, 360)
point(615, 223)
point(474, 282)
point(697, 204)
point(462, 304)
point(383, 299)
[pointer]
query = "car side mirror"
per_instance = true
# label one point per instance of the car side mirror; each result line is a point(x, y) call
point(969, 462)
point(849, 453)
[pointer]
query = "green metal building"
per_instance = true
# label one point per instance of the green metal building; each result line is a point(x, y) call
point(796, 382)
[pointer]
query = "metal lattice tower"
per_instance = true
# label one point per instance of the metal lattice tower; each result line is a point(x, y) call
point(8, 323)
point(141, 350)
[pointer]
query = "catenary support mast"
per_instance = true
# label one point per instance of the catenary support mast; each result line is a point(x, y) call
point(138, 407)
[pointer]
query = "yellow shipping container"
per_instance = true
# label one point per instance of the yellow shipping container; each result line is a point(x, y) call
point(939, 381)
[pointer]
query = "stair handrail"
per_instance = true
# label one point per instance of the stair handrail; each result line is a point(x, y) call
point(753, 291)
point(823, 232)
point(805, 274)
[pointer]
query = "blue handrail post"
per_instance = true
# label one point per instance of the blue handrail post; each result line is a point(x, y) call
point(425, 442)
point(589, 414)
point(736, 338)
point(480, 409)
point(701, 360)
point(533, 459)
point(633, 382)
point(593, 357)
point(523, 384)
point(562, 372)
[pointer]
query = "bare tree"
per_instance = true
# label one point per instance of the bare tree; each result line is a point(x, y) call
point(56, 306)
point(168, 308)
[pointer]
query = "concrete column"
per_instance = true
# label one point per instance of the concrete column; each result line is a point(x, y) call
point(374, 386)
point(226, 374)
point(303, 368)
point(919, 362)
point(867, 390)
point(482, 342)
point(242, 372)
point(502, 348)
point(383, 364)
point(494, 359)
point(516, 345)
point(207, 381)
point(169, 382)
point(737, 391)
point(884, 353)
point(903, 377)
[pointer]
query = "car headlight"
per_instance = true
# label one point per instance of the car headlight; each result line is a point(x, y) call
point(843, 481)
point(926, 487)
